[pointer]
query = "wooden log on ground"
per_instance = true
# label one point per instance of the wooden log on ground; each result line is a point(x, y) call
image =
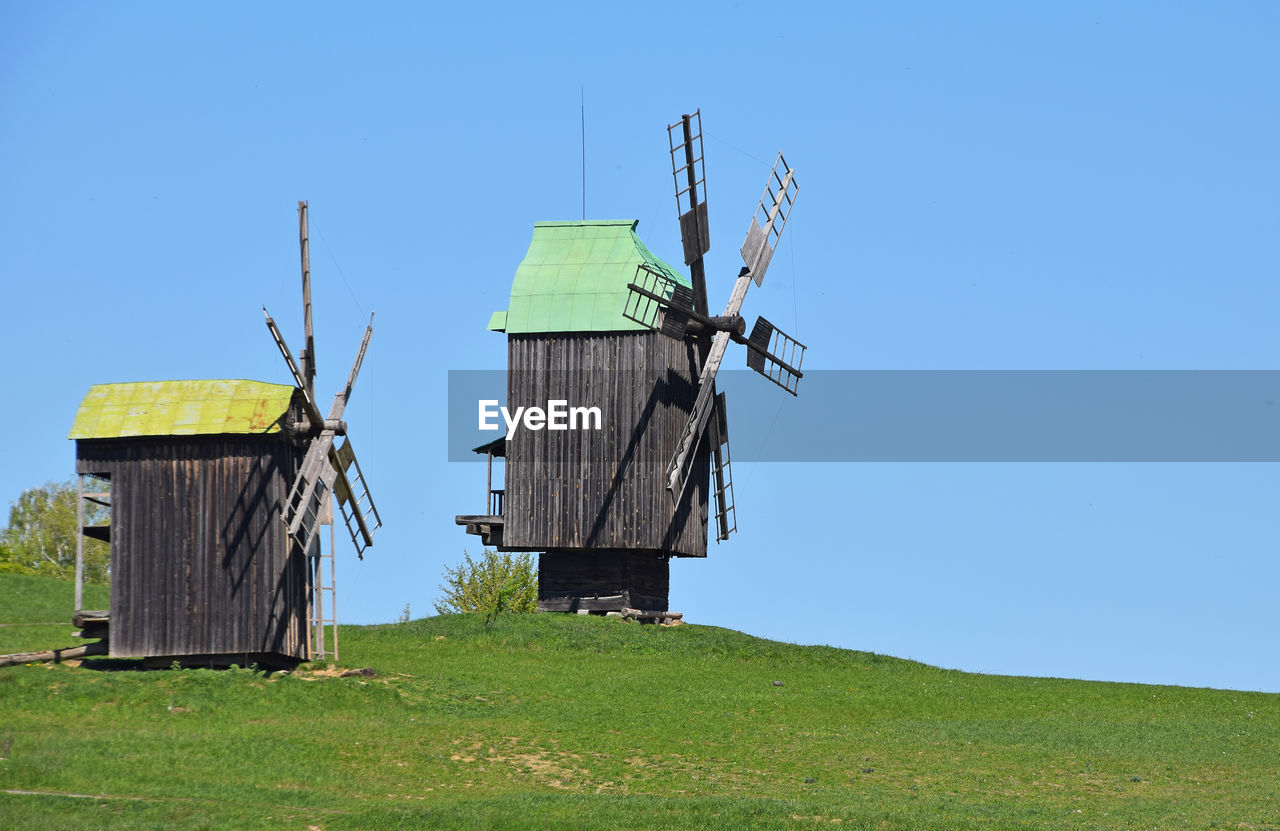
point(652, 616)
point(55, 655)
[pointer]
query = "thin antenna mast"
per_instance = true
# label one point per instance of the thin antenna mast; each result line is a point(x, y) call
point(582, 113)
point(308, 356)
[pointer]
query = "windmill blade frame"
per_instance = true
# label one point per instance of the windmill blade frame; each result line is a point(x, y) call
point(722, 473)
point(308, 356)
point(775, 355)
point(659, 303)
point(679, 470)
point(340, 399)
point(311, 487)
point(309, 404)
point(688, 160)
point(355, 502)
point(780, 192)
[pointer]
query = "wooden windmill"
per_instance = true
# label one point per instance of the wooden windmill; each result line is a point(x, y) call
point(597, 321)
point(215, 491)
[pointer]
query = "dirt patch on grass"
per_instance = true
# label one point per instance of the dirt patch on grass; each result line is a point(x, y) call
point(364, 674)
point(317, 674)
point(553, 768)
point(817, 819)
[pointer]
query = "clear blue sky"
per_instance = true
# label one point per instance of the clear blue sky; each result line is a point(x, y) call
point(983, 186)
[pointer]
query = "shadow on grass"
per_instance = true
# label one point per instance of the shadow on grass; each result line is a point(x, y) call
point(143, 665)
point(116, 665)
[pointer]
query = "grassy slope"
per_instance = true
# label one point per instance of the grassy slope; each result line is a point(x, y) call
point(564, 721)
point(35, 612)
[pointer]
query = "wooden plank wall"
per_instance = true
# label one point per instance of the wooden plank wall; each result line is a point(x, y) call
point(602, 581)
point(201, 563)
point(587, 489)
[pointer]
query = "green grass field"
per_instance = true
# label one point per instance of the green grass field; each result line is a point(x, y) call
point(555, 721)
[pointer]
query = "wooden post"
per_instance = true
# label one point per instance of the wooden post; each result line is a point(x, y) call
point(333, 574)
point(79, 543)
point(317, 581)
point(488, 484)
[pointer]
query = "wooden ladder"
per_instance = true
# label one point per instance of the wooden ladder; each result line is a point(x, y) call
point(322, 611)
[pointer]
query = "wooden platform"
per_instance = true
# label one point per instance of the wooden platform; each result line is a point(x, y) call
point(93, 623)
point(488, 527)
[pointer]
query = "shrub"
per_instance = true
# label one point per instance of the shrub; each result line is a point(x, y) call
point(498, 582)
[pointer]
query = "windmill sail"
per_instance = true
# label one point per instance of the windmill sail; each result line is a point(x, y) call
point(310, 489)
point(771, 215)
point(775, 355)
point(685, 139)
point(354, 500)
point(722, 474)
point(680, 468)
point(309, 405)
point(658, 302)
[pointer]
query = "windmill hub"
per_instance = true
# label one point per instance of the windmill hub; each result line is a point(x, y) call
point(733, 324)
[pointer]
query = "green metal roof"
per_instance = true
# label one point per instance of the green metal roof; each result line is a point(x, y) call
point(574, 278)
point(181, 408)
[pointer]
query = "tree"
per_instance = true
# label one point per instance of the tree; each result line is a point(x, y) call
point(42, 532)
point(496, 583)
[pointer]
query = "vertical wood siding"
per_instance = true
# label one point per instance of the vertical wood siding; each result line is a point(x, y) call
point(603, 490)
point(201, 563)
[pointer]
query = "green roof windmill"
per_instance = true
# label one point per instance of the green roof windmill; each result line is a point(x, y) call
point(596, 320)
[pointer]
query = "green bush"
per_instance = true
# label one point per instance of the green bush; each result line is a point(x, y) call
point(498, 582)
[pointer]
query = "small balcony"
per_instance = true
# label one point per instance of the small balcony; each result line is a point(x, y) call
point(488, 526)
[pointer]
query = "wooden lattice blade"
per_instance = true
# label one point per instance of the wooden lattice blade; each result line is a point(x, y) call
point(775, 355)
point(770, 218)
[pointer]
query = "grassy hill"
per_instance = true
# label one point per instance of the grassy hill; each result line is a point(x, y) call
point(554, 721)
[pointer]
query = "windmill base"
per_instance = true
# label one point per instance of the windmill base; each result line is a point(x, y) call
point(604, 580)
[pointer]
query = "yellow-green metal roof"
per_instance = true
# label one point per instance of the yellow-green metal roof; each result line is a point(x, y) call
point(181, 408)
point(574, 278)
